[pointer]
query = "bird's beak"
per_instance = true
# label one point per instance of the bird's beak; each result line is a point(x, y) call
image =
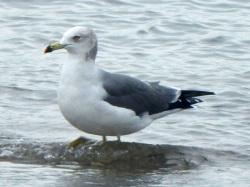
point(54, 46)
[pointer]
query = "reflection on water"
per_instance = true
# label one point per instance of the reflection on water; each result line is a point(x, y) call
point(191, 44)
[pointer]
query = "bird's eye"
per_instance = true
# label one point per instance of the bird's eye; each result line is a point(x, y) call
point(76, 38)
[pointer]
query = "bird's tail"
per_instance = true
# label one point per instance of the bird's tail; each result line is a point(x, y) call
point(188, 97)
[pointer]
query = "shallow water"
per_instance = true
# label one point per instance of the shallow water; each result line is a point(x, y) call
point(187, 44)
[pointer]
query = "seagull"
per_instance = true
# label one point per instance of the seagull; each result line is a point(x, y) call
point(110, 104)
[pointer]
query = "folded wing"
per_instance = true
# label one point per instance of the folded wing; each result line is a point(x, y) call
point(141, 97)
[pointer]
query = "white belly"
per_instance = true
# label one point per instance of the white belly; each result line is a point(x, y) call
point(94, 116)
point(80, 101)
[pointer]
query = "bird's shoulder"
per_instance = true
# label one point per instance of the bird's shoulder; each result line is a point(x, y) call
point(117, 84)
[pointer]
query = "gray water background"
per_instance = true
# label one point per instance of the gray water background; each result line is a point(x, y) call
point(188, 44)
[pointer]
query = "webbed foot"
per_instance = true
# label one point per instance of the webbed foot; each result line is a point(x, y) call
point(78, 141)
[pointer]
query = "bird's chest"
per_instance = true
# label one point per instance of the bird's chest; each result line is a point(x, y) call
point(79, 97)
point(75, 94)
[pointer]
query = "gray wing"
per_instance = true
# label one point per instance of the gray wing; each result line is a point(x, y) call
point(127, 92)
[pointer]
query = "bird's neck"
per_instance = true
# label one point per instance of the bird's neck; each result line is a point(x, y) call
point(83, 58)
point(78, 70)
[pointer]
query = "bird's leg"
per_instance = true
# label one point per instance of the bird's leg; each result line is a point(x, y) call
point(104, 139)
point(119, 138)
point(78, 141)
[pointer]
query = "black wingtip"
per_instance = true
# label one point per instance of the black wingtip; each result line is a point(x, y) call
point(210, 93)
point(194, 93)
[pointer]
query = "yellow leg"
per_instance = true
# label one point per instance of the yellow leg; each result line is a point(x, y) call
point(104, 139)
point(118, 138)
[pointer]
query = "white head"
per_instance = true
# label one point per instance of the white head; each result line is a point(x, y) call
point(80, 41)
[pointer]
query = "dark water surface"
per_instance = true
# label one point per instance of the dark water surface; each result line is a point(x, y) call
point(188, 44)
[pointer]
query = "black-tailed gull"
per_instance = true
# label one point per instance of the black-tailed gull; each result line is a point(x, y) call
point(110, 104)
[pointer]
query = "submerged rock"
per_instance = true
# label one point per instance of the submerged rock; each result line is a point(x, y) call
point(113, 154)
point(127, 155)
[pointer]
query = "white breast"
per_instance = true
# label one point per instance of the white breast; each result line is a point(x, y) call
point(80, 100)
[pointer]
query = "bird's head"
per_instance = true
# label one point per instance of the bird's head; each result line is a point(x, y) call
point(80, 41)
